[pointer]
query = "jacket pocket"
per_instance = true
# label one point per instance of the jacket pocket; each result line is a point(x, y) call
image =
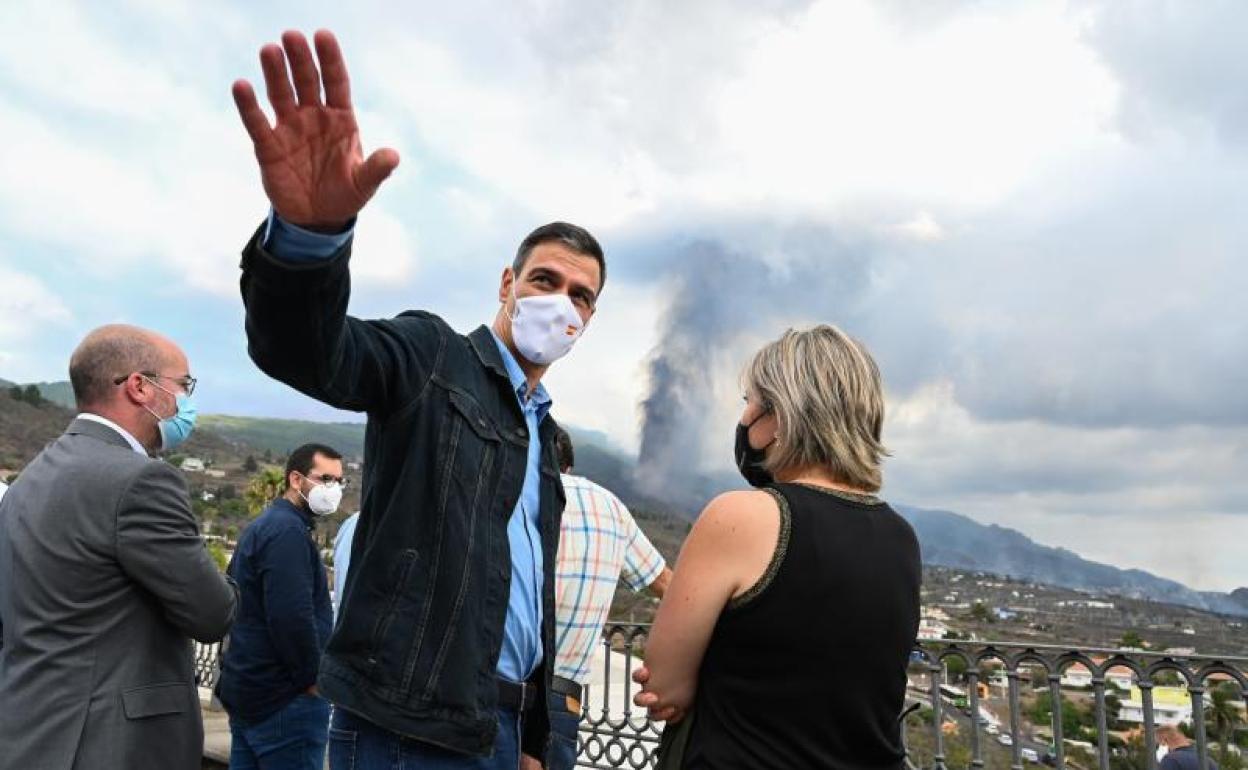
point(156, 700)
point(403, 570)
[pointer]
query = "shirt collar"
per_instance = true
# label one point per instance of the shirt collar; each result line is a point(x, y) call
point(131, 440)
point(541, 398)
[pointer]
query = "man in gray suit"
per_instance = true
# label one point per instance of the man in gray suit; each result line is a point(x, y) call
point(104, 575)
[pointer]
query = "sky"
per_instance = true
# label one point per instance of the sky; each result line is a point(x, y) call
point(1031, 213)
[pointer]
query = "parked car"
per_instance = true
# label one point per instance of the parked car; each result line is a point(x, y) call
point(992, 729)
point(1005, 740)
point(1030, 755)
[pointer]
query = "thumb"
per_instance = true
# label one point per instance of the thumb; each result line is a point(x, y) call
point(373, 171)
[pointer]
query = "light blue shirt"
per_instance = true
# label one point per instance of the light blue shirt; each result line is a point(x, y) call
point(522, 633)
point(522, 652)
point(342, 557)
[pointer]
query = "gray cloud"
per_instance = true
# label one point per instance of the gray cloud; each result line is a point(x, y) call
point(1177, 62)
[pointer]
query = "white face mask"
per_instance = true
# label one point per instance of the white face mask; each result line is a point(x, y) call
point(545, 327)
point(1162, 750)
point(323, 499)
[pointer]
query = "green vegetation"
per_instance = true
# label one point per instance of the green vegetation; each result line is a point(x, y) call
point(281, 436)
point(1223, 717)
point(262, 488)
point(982, 614)
point(27, 395)
point(217, 552)
point(1078, 721)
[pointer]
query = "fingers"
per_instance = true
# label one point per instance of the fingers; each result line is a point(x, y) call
point(373, 171)
point(302, 68)
point(641, 675)
point(254, 119)
point(333, 70)
point(276, 83)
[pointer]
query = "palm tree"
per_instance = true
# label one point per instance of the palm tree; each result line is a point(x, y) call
point(1223, 713)
point(262, 487)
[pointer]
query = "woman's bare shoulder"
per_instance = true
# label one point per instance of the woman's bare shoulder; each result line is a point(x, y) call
point(750, 512)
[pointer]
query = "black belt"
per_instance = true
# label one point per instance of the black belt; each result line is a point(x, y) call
point(520, 696)
point(566, 687)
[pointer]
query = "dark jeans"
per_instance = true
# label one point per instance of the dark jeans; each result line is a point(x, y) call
point(357, 744)
point(565, 718)
point(291, 739)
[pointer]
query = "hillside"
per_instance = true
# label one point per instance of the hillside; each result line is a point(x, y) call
point(952, 540)
point(281, 436)
point(27, 429)
point(948, 539)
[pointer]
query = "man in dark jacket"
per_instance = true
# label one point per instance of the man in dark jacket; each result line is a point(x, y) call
point(444, 643)
point(278, 721)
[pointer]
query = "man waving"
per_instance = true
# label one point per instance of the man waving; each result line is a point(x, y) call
point(444, 644)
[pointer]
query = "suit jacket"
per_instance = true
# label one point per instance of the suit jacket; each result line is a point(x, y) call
point(103, 577)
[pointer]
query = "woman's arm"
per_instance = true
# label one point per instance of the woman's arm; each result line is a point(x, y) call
point(726, 552)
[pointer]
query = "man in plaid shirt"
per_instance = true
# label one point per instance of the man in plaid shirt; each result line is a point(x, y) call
point(599, 545)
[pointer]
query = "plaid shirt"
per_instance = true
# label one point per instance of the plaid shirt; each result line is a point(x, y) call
point(599, 544)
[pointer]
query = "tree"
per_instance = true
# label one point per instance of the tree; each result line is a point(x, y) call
point(217, 552)
point(955, 668)
point(981, 613)
point(1113, 709)
point(1074, 719)
point(16, 393)
point(250, 465)
point(262, 488)
point(1223, 716)
point(31, 396)
point(1131, 757)
point(1131, 639)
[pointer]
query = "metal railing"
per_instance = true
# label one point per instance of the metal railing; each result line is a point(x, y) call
point(948, 709)
point(207, 664)
point(1048, 669)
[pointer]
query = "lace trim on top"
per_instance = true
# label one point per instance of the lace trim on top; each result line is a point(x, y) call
point(854, 497)
point(777, 558)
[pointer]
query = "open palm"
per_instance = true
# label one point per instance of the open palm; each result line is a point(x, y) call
point(311, 162)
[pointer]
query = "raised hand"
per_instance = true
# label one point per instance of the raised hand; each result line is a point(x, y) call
point(311, 162)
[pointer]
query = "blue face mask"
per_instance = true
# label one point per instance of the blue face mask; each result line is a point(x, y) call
point(176, 428)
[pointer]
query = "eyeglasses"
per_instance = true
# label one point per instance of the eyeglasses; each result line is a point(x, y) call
point(187, 382)
point(325, 478)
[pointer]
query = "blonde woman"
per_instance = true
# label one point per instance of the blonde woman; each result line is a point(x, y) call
point(784, 636)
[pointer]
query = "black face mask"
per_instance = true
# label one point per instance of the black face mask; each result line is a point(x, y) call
point(749, 459)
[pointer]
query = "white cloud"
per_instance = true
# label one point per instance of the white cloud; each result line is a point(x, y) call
point(27, 305)
point(137, 166)
point(1071, 270)
point(923, 227)
point(1170, 500)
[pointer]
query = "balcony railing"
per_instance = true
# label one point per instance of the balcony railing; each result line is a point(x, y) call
point(971, 704)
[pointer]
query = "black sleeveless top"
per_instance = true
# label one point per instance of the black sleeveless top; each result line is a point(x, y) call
point(807, 669)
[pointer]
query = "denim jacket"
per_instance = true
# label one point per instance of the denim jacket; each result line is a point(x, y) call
point(420, 624)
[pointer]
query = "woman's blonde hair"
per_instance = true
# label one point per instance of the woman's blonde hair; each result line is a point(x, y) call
point(825, 390)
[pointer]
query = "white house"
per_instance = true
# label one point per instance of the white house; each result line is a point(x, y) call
point(1171, 706)
point(1120, 678)
point(193, 465)
point(1077, 675)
